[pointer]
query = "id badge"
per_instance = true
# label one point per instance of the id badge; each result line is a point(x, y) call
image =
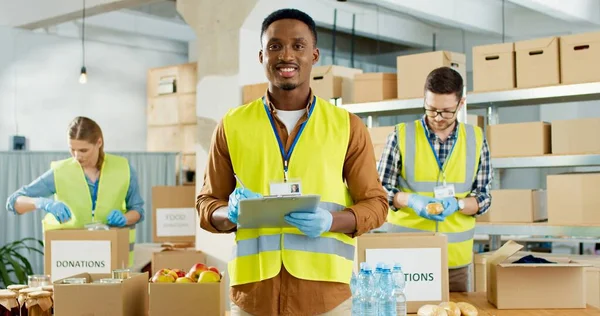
point(292, 187)
point(444, 191)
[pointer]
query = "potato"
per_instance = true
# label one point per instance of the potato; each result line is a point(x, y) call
point(434, 208)
point(431, 310)
point(467, 309)
point(451, 308)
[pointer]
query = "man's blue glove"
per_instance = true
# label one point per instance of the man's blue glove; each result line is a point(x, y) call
point(312, 224)
point(419, 204)
point(234, 201)
point(61, 212)
point(116, 218)
point(450, 206)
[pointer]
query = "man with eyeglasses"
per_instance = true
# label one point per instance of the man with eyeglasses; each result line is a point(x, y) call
point(436, 159)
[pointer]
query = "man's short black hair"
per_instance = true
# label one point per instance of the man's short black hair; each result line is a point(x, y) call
point(293, 14)
point(445, 80)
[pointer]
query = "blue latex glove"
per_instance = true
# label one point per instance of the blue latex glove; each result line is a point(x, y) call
point(419, 203)
point(312, 224)
point(116, 218)
point(450, 206)
point(61, 212)
point(234, 200)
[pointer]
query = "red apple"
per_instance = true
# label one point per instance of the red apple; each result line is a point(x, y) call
point(184, 280)
point(195, 271)
point(180, 273)
point(214, 269)
point(164, 276)
point(209, 277)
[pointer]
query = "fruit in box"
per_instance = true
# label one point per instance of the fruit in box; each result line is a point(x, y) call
point(209, 276)
point(164, 276)
point(180, 273)
point(184, 280)
point(214, 269)
point(195, 271)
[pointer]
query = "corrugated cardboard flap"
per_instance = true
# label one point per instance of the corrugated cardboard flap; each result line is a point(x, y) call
point(506, 251)
point(580, 39)
point(543, 265)
point(494, 49)
point(455, 57)
point(540, 43)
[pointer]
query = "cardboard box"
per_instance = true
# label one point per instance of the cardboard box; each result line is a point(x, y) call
point(574, 137)
point(332, 82)
point(414, 69)
point(494, 67)
point(479, 269)
point(73, 251)
point(379, 137)
point(538, 62)
point(579, 58)
point(373, 87)
point(183, 79)
point(476, 120)
point(424, 260)
point(516, 206)
point(581, 206)
point(174, 214)
point(204, 299)
point(592, 285)
point(519, 139)
point(129, 298)
point(533, 286)
point(252, 92)
point(173, 258)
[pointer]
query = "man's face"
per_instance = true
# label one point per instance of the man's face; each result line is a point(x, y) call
point(288, 53)
point(446, 104)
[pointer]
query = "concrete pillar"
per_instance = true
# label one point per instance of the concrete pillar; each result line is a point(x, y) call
point(228, 42)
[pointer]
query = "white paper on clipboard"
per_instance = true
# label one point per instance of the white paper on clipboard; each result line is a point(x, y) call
point(269, 212)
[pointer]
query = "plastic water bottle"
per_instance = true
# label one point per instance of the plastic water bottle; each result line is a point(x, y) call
point(377, 279)
point(366, 289)
point(355, 296)
point(386, 298)
point(399, 286)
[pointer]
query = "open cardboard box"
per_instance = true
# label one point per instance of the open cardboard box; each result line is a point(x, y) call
point(187, 298)
point(128, 298)
point(533, 286)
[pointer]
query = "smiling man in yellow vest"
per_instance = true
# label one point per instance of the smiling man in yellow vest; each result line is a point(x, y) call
point(438, 159)
point(292, 137)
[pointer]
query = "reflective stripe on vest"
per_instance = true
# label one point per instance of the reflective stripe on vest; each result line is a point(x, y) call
point(409, 160)
point(317, 161)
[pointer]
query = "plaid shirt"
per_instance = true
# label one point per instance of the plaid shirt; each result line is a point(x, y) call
point(390, 165)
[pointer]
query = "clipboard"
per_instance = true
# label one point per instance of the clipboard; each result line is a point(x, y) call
point(269, 211)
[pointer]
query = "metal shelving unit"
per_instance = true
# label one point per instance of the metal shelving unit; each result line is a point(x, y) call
point(492, 101)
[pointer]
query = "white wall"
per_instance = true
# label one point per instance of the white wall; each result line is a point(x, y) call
point(40, 91)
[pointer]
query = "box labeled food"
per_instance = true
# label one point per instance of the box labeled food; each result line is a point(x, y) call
point(538, 62)
point(579, 55)
point(332, 82)
point(174, 214)
point(581, 205)
point(424, 260)
point(494, 67)
point(413, 70)
point(576, 137)
point(533, 285)
point(516, 206)
point(126, 298)
point(519, 139)
point(73, 251)
point(373, 87)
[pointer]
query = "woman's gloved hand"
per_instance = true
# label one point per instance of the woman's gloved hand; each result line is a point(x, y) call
point(60, 210)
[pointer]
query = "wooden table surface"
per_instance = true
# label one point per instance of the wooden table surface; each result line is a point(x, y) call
point(479, 300)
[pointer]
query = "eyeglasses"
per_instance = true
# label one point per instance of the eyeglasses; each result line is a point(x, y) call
point(443, 113)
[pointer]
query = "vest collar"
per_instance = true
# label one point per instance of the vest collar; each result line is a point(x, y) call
point(274, 110)
point(433, 137)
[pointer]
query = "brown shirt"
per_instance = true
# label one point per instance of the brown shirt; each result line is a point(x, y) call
point(285, 294)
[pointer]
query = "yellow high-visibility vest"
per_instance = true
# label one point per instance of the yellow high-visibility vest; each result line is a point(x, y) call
point(421, 174)
point(72, 189)
point(317, 160)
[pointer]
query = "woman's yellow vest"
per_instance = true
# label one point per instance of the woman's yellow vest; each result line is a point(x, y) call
point(317, 160)
point(72, 189)
point(421, 174)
